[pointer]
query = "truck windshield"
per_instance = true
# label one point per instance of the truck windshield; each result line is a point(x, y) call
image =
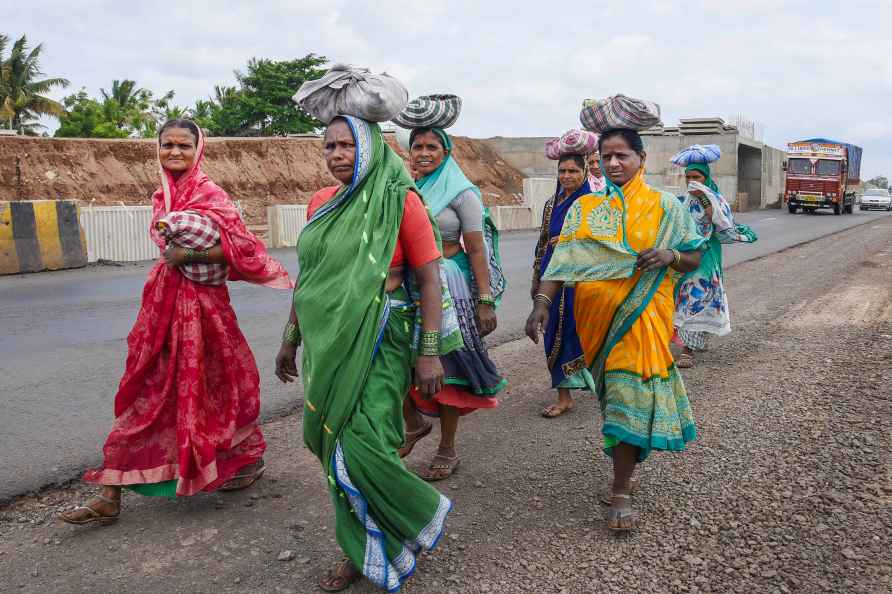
point(827, 167)
point(799, 167)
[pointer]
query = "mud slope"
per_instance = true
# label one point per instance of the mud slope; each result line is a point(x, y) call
point(256, 171)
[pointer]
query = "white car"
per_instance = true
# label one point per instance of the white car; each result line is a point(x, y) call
point(876, 198)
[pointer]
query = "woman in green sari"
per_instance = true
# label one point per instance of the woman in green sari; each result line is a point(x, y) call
point(357, 319)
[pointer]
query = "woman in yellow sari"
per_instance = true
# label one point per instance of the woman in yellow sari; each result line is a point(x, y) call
point(625, 250)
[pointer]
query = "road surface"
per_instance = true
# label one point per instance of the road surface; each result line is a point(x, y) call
point(63, 343)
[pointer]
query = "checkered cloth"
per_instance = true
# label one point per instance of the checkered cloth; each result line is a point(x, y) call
point(191, 230)
point(618, 111)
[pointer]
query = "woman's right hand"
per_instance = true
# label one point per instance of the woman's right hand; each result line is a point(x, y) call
point(286, 363)
point(537, 321)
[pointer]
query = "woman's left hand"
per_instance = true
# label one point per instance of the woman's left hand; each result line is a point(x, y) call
point(486, 319)
point(174, 256)
point(651, 259)
point(429, 376)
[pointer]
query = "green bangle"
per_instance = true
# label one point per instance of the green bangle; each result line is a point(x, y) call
point(487, 300)
point(291, 335)
point(430, 344)
point(193, 256)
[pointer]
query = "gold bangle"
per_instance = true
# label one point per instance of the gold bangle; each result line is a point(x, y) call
point(676, 257)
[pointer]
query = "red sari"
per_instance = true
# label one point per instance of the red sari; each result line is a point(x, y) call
point(187, 406)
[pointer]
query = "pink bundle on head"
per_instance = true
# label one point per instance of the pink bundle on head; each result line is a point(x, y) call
point(572, 142)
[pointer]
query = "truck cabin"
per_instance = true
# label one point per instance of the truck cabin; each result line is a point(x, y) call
point(820, 167)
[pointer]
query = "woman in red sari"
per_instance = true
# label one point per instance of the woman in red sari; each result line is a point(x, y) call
point(186, 408)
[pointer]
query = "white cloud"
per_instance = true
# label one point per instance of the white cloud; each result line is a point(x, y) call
point(799, 67)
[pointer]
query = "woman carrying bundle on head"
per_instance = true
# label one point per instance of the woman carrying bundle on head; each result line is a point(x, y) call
point(701, 304)
point(367, 255)
point(186, 408)
point(563, 353)
point(473, 274)
point(625, 250)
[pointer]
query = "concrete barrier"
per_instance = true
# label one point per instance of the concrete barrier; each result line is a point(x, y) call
point(536, 192)
point(511, 218)
point(40, 235)
point(286, 221)
point(118, 233)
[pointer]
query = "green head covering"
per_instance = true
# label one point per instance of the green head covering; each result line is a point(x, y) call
point(703, 168)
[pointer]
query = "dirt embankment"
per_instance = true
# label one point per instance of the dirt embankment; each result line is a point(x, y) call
point(256, 171)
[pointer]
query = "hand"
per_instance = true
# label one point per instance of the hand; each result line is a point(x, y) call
point(286, 364)
point(174, 256)
point(651, 259)
point(486, 319)
point(537, 322)
point(428, 376)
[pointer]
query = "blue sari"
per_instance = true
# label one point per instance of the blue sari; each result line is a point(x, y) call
point(563, 352)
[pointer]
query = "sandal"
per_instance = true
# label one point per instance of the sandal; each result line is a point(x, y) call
point(93, 514)
point(237, 483)
point(684, 361)
point(344, 575)
point(607, 496)
point(614, 516)
point(435, 470)
point(413, 437)
point(553, 411)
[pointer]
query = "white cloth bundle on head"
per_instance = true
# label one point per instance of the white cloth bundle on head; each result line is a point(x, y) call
point(618, 111)
point(346, 90)
point(572, 142)
point(698, 153)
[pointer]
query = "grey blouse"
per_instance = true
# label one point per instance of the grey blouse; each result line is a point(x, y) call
point(463, 215)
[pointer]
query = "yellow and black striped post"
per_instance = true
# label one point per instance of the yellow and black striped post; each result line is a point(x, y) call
point(40, 235)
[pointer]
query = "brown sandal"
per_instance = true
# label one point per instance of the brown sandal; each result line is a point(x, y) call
point(93, 515)
point(552, 411)
point(344, 575)
point(432, 474)
point(413, 437)
point(685, 361)
point(237, 483)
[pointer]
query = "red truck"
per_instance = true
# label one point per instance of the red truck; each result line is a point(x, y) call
point(822, 173)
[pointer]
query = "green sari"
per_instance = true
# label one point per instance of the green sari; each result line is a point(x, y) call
point(357, 360)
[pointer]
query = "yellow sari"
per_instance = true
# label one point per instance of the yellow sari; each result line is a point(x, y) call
point(624, 316)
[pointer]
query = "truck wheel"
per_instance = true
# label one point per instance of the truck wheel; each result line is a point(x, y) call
point(836, 209)
point(791, 209)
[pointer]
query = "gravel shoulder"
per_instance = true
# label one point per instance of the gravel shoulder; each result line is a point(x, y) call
point(788, 489)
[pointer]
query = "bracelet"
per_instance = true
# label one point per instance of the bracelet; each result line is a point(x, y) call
point(676, 257)
point(430, 344)
point(291, 335)
point(486, 299)
point(193, 256)
point(543, 298)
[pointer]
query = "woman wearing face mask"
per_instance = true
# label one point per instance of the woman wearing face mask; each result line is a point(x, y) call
point(625, 251)
point(186, 409)
point(563, 353)
point(473, 273)
point(701, 304)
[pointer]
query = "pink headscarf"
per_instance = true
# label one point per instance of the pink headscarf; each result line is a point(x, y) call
point(194, 191)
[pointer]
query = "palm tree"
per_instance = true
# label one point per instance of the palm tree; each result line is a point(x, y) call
point(22, 95)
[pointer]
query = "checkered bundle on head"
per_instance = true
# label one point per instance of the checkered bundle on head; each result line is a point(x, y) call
point(191, 230)
point(618, 111)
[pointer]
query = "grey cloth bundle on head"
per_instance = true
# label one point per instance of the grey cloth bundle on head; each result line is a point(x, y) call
point(347, 90)
point(430, 111)
point(618, 111)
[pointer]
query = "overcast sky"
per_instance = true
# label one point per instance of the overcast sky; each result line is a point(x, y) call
point(799, 68)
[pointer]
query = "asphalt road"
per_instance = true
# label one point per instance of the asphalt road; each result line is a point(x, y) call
point(63, 344)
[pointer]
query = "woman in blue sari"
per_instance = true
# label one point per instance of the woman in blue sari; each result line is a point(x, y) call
point(563, 352)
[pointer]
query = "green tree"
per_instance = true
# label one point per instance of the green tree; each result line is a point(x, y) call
point(86, 117)
point(881, 181)
point(22, 92)
point(266, 90)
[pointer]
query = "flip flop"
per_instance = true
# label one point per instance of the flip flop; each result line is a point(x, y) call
point(414, 437)
point(337, 581)
point(95, 516)
point(553, 411)
point(448, 464)
point(232, 484)
point(615, 515)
